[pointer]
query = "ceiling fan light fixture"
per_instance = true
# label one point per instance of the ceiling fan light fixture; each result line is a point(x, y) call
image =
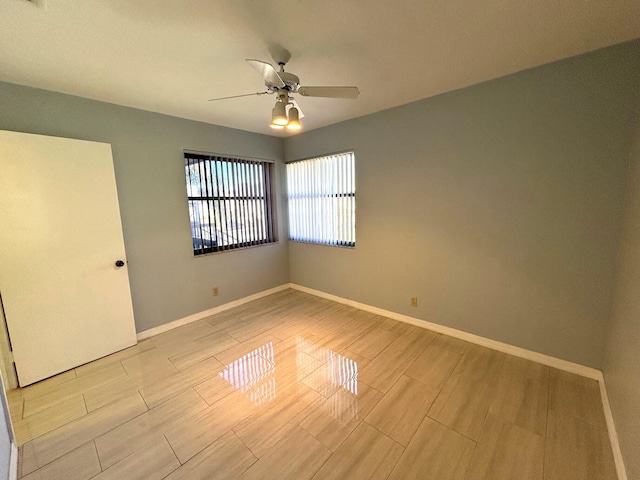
point(286, 112)
point(279, 114)
point(294, 119)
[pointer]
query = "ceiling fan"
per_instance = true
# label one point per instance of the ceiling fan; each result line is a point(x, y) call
point(286, 112)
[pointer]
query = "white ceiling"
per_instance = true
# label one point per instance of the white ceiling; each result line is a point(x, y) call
point(171, 56)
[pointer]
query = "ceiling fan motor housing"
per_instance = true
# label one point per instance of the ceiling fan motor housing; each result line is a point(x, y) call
point(291, 82)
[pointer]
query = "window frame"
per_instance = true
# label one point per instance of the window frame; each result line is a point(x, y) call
point(261, 231)
point(308, 221)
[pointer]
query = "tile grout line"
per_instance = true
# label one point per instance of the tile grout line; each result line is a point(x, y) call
point(360, 421)
point(543, 359)
point(93, 439)
point(31, 438)
point(247, 447)
point(451, 428)
point(84, 400)
point(95, 447)
point(67, 453)
point(176, 455)
point(382, 433)
point(208, 313)
point(244, 443)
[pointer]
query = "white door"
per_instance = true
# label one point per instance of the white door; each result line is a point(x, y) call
point(65, 300)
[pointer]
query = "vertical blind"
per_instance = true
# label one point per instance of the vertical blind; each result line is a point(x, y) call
point(322, 200)
point(230, 202)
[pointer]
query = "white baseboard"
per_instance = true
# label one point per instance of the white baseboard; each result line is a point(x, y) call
point(611, 429)
point(13, 462)
point(502, 347)
point(548, 360)
point(452, 332)
point(207, 313)
point(469, 337)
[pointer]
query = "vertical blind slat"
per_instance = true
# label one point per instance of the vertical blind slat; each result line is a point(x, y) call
point(270, 214)
point(247, 210)
point(252, 210)
point(254, 226)
point(321, 194)
point(222, 217)
point(267, 183)
point(245, 202)
point(210, 204)
point(223, 166)
point(230, 202)
point(204, 205)
point(238, 186)
point(237, 215)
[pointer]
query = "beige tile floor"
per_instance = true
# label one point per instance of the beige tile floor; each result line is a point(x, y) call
point(294, 386)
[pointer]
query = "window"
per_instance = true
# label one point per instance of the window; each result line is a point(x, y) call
point(230, 202)
point(322, 200)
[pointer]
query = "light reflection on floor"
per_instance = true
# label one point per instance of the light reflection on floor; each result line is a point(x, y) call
point(341, 371)
point(254, 374)
point(245, 373)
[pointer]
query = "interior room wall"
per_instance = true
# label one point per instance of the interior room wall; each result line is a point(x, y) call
point(9, 377)
point(6, 435)
point(167, 281)
point(622, 354)
point(498, 206)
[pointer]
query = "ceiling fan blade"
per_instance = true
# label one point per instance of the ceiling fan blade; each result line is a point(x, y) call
point(238, 96)
point(267, 71)
point(329, 92)
point(293, 103)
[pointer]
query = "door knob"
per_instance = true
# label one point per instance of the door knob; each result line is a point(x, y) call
point(119, 263)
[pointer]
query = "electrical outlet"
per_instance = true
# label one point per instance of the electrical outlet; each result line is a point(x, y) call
point(215, 291)
point(414, 301)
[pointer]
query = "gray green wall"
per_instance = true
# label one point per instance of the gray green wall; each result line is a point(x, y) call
point(167, 282)
point(622, 356)
point(499, 205)
point(6, 435)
